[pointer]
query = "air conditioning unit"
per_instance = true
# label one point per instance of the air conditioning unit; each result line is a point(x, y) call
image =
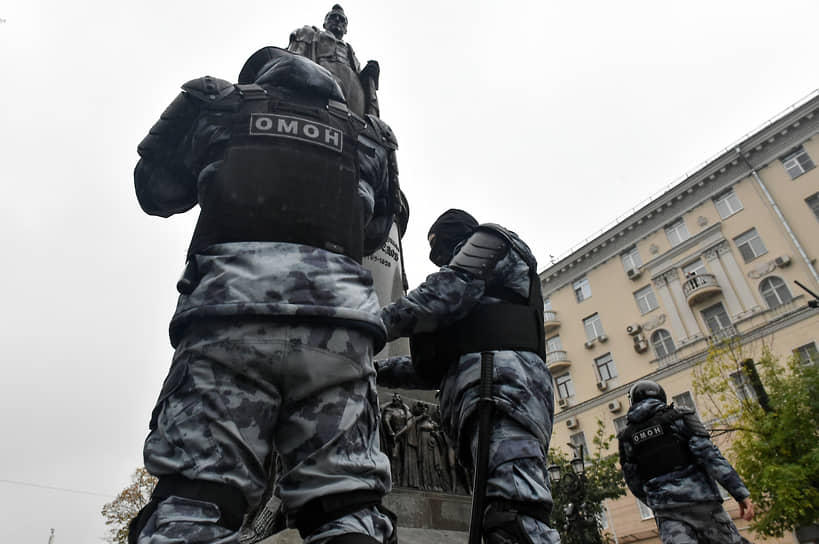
point(563, 403)
point(602, 385)
point(589, 344)
point(602, 337)
point(633, 329)
point(615, 406)
point(640, 346)
point(633, 273)
point(782, 261)
point(571, 423)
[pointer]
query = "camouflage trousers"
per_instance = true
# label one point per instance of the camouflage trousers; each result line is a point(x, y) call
point(706, 523)
point(520, 432)
point(238, 390)
point(517, 472)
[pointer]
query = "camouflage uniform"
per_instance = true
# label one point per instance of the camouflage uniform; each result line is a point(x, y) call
point(522, 389)
point(687, 504)
point(274, 347)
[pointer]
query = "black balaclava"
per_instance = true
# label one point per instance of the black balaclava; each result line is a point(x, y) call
point(450, 229)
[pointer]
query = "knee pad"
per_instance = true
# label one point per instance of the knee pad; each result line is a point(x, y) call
point(230, 500)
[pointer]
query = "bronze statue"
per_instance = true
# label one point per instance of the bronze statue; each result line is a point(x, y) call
point(326, 48)
point(394, 419)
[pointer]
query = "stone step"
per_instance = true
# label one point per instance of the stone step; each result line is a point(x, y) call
point(406, 535)
point(424, 517)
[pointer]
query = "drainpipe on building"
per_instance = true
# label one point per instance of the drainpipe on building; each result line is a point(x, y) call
point(779, 215)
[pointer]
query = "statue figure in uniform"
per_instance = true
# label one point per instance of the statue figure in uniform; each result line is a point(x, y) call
point(328, 49)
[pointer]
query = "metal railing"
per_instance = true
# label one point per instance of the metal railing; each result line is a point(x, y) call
point(697, 282)
point(549, 316)
point(557, 356)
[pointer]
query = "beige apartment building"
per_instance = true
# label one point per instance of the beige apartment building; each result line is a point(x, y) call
point(716, 255)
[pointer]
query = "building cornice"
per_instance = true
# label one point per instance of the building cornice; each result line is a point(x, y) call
point(759, 149)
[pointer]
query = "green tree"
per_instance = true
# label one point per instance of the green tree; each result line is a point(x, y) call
point(578, 501)
point(119, 512)
point(776, 452)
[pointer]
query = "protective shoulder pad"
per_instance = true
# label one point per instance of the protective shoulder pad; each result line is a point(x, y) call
point(381, 132)
point(482, 251)
point(693, 423)
point(209, 89)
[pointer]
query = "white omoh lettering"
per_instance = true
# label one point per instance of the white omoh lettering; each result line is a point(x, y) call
point(333, 138)
point(311, 131)
point(287, 126)
point(264, 123)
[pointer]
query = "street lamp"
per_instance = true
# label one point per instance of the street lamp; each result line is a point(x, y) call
point(573, 483)
point(578, 463)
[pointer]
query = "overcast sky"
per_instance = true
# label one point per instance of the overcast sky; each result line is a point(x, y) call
point(551, 118)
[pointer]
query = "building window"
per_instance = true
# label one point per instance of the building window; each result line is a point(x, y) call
point(742, 385)
point(620, 423)
point(775, 292)
point(750, 245)
point(813, 202)
point(631, 259)
point(594, 327)
point(582, 289)
point(808, 355)
point(797, 163)
point(716, 318)
point(676, 233)
point(663, 343)
point(605, 367)
point(684, 400)
point(547, 304)
point(646, 300)
point(645, 511)
point(554, 344)
point(564, 386)
point(579, 440)
point(728, 204)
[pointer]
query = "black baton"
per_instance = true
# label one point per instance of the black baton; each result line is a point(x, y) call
point(486, 406)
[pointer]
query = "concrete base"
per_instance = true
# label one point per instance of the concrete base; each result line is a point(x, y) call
point(423, 518)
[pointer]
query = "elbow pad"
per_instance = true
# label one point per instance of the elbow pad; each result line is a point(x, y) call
point(481, 252)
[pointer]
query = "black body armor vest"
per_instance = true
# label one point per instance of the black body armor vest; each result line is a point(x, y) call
point(514, 324)
point(657, 449)
point(289, 174)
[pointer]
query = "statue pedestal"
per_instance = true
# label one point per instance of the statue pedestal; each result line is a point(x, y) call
point(424, 517)
point(416, 508)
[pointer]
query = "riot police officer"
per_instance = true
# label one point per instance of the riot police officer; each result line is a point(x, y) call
point(277, 320)
point(485, 298)
point(671, 465)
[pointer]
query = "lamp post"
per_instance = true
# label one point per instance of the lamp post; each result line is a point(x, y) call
point(573, 483)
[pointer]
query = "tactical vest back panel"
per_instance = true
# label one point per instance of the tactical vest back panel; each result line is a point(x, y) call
point(657, 449)
point(289, 174)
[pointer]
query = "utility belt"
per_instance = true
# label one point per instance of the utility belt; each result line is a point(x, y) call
point(489, 327)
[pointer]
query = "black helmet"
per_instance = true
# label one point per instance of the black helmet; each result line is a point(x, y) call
point(450, 229)
point(645, 389)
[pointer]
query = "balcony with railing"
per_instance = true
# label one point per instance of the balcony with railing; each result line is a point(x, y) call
point(722, 336)
point(700, 287)
point(550, 321)
point(557, 360)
